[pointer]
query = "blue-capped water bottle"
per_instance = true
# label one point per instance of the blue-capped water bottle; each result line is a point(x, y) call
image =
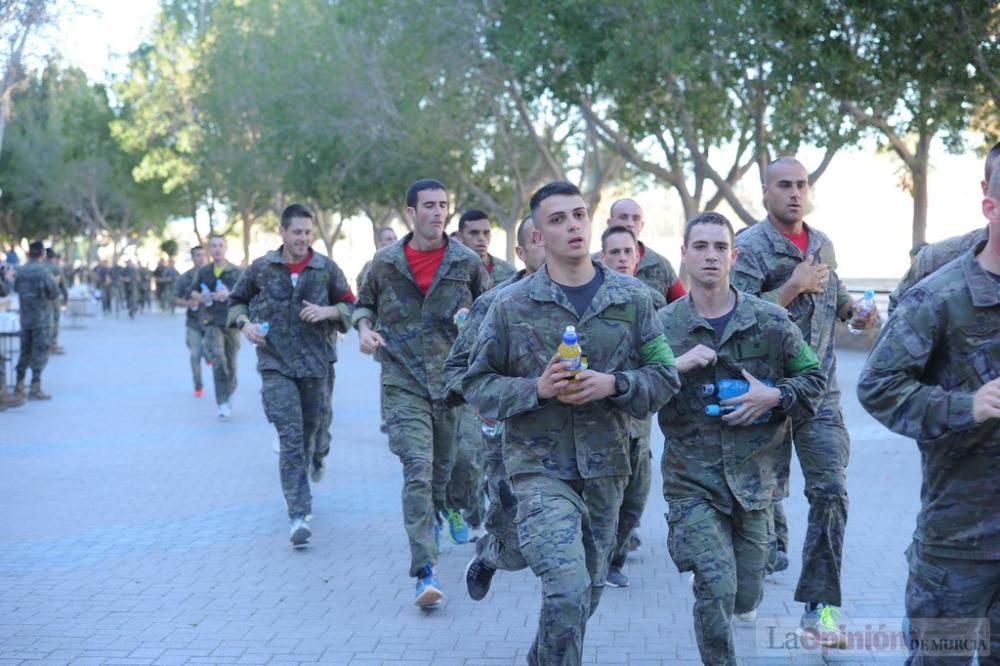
point(219, 284)
point(731, 388)
point(206, 294)
point(864, 307)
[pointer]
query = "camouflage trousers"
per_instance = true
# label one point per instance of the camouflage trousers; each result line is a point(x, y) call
point(822, 446)
point(636, 494)
point(422, 435)
point(195, 344)
point(56, 315)
point(324, 437)
point(728, 554)
point(297, 408)
point(467, 484)
point(499, 547)
point(223, 346)
point(567, 531)
point(34, 352)
point(953, 600)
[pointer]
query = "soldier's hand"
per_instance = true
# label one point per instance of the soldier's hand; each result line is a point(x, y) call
point(867, 321)
point(755, 402)
point(253, 333)
point(986, 402)
point(698, 356)
point(554, 379)
point(810, 277)
point(313, 313)
point(370, 341)
point(221, 294)
point(587, 386)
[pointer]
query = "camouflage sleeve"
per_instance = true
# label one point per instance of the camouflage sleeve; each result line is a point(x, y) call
point(181, 289)
point(486, 385)
point(655, 381)
point(49, 286)
point(481, 282)
point(366, 306)
point(803, 374)
point(457, 363)
point(241, 294)
point(340, 295)
point(914, 274)
point(843, 296)
point(890, 385)
point(748, 275)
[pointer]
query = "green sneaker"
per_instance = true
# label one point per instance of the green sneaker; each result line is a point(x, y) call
point(457, 528)
point(822, 625)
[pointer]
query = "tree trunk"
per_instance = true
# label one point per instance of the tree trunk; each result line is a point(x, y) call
point(510, 226)
point(247, 226)
point(919, 170)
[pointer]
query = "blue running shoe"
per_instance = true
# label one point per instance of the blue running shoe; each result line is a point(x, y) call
point(457, 529)
point(429, 592)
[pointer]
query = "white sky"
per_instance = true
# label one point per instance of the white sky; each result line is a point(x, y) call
point(857, 202)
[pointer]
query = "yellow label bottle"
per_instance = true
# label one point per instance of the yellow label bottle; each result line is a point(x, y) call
point(570, 352)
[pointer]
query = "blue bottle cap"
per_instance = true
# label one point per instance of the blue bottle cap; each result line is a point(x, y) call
point(713, 410)
point(569, 337)
point(870, 294)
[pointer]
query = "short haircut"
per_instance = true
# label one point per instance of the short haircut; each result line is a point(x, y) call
point(292, 212)
point(196, 248)
point(555, 188)
point(611, 211)
point(777, 161)
point(709, 217)
point(523, 230)
point(610, 231)
point(993, 189)
point(471, 215)
point(382, 230)
point(991, 157)
point(36, 249)
point(418, 187)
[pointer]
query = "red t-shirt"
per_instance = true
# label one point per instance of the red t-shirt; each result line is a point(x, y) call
point(424, 265)
point(298, 267)
point(677, 289)
point(800, 240)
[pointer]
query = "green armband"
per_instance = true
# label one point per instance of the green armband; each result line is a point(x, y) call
point(804, 360)
point(657, 351)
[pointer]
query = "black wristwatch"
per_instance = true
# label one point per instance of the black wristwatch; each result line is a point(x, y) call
point(787, 398)
point(622, 384)
point(241, 323)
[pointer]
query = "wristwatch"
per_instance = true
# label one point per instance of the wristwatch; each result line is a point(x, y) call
point(241, 323)
point(622, 384)
point(787, 398)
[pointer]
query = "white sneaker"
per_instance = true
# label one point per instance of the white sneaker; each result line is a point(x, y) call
point(299, 533)
point(224, 410)
point(749, 616)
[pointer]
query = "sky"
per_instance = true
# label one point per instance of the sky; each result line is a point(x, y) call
point(857, 202)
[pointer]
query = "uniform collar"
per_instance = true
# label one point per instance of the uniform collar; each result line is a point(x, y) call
point(982, 287)
point(612, 291)
point(743, 317)
point(396, 255)
point(784, 246)
point(275, 257)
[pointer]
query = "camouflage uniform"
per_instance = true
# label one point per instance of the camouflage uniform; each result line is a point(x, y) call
point(498, 548)
point(765, 261)
point(296, 362)
point(37, 291)
point(381, 384)
point(418, 331)
point(467, 484)
point(568, 464)
point(938, 348)
point(721, 480)
point(654, 270)
point(193, 332)
point(57, 275)
point(221, 341)
point(933, 257)
point(639, 481)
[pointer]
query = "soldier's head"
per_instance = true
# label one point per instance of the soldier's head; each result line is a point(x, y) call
point(36, 250)
point(560, 214)
point(709, 249)
point(384, 237)
point(786, 191)
point(474, 231)
point(217, 248)
point(427, 208)
point(627, 213)
point(992, 161)
point(530, 247)
point(198, 256)
point(296, 231)
point(619, 250)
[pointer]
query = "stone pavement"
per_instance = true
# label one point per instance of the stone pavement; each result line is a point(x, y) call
point(137, 528)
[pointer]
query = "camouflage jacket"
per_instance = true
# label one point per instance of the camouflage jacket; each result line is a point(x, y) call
point(361, 274)
point(216, 313)
point(502, 270)
point(418, 330)
point(523, 328)
point(655, 271)
point(183, 287)
point(37, 291)
point(57, 275)
point(264, 292)
point(766, 260)
point(941, 344)
point(702, 456)
point(933, 257)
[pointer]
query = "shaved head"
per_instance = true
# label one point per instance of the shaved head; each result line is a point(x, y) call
point(773, 167)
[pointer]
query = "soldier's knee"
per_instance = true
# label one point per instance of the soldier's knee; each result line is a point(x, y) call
point(827, 489)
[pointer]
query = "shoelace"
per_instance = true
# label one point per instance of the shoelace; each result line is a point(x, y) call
point(455, 519)
point(828, 617)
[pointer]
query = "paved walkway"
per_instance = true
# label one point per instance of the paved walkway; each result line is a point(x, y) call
point(136, 528)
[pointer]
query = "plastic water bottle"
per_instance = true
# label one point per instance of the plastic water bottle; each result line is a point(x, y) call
point(570, 352)
point(219, 284)
point(492, 430)
point(865, 306)
point(461, 316)
point(731, 388)
point(265, 326)
point(206, 294)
